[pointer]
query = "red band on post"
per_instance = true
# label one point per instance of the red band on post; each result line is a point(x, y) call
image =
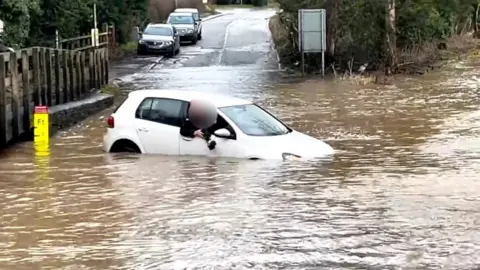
point(40, 109)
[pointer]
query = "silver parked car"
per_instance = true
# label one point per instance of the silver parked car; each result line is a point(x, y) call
point(186, 26)
point(159, 38)
point(196, 16)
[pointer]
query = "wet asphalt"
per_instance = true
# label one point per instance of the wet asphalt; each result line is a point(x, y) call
point(235, 53)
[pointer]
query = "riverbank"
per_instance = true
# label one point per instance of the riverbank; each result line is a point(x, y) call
point(417, 60)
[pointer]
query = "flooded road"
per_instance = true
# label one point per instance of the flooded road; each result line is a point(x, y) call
point(402, 192)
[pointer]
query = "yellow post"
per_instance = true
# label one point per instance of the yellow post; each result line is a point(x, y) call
point(41, 141)
point(41, 136)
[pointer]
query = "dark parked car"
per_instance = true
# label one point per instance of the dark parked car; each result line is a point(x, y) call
point(159, 38)
point(187, 27)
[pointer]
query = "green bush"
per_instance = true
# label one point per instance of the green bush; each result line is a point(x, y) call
point(361, 24)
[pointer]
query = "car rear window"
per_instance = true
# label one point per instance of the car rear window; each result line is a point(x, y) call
point(120, 105)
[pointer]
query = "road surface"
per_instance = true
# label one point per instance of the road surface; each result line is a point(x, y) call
point(236, 49)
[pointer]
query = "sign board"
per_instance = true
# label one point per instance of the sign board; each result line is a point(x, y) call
point(312, 31)
point(205, 1)
point(95, 38)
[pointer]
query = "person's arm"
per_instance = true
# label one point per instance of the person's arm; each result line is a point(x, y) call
point(187, 129)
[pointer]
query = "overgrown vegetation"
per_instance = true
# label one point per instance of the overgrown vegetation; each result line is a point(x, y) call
point(29, 23)
point(383, 33)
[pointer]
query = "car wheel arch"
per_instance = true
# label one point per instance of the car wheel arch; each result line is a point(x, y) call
point(124, 145)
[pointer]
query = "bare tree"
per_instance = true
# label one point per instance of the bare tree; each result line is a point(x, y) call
point(332, 7)
point(390, 38)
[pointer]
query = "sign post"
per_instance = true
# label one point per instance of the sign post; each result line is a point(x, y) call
point(41, 141)
point(312, 34)
point(41, 135)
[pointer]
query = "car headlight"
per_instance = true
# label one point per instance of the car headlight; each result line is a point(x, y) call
point(190, 31)
point(168, 43)
point(289, 156)
point(141, 41)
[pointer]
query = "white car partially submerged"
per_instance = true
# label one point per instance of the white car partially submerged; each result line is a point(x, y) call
point(149, 122)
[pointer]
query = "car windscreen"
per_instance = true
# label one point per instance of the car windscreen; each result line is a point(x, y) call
point(158, 31)
point(181, 20)
point(254, 121)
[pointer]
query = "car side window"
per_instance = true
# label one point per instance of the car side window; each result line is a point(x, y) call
point(161, 110)
point(143, 110)
point(221, 123)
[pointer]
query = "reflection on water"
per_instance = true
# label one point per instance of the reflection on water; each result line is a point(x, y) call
point(401, 193)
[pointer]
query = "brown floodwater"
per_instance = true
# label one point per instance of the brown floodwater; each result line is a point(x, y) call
point(401, 193)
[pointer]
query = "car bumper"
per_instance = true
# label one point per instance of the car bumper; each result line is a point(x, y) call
point(152, 49)
point(107, 142)
point(187, 37)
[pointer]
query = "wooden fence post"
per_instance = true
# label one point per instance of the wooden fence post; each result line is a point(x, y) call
point(100, 63)
point(71, 74)
point(66, 85)
point(105, 62)
point(43, 76)
point(77, 75)
point(14, 92)
point(57, 77)
point(83, 85)
point(98, 70)
point(3, 103)
point(36, 76)
point(48, 65)
point(26, 92)
point(114, 36)
point(91, 67)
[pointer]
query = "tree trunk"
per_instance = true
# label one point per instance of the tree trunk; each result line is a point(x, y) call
point(475, 19)
point(332, 7)
point(390, 38)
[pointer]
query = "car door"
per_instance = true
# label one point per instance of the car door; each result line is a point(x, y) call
point(157, 121)
point(196, 28)
point(199, 21)
point(176, 38)
point(226, 147)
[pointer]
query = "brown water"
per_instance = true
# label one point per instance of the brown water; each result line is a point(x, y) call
point(402, 192)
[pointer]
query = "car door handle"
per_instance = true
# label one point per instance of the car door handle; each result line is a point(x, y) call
point(187, 139)
point(143, 129)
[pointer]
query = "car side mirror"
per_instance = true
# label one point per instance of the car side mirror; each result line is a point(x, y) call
point(222, 133)
point(200, 19)
point(196, 23)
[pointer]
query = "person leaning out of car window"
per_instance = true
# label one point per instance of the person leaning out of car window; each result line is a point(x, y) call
point(189, 129)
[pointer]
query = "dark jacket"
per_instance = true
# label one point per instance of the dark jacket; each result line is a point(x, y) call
point(188, 128)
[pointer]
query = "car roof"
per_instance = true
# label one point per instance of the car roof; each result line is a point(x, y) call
point(180, 14)
point(219, 100)
point(159, 25)
point(179, 10)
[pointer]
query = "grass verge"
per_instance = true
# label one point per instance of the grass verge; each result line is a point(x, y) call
point(424, 57)
point(111, 90)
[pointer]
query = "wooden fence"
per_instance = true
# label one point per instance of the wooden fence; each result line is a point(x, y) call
point(45, 76)
point(106, 38)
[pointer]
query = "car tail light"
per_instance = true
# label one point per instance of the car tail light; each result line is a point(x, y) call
point(111, 122)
